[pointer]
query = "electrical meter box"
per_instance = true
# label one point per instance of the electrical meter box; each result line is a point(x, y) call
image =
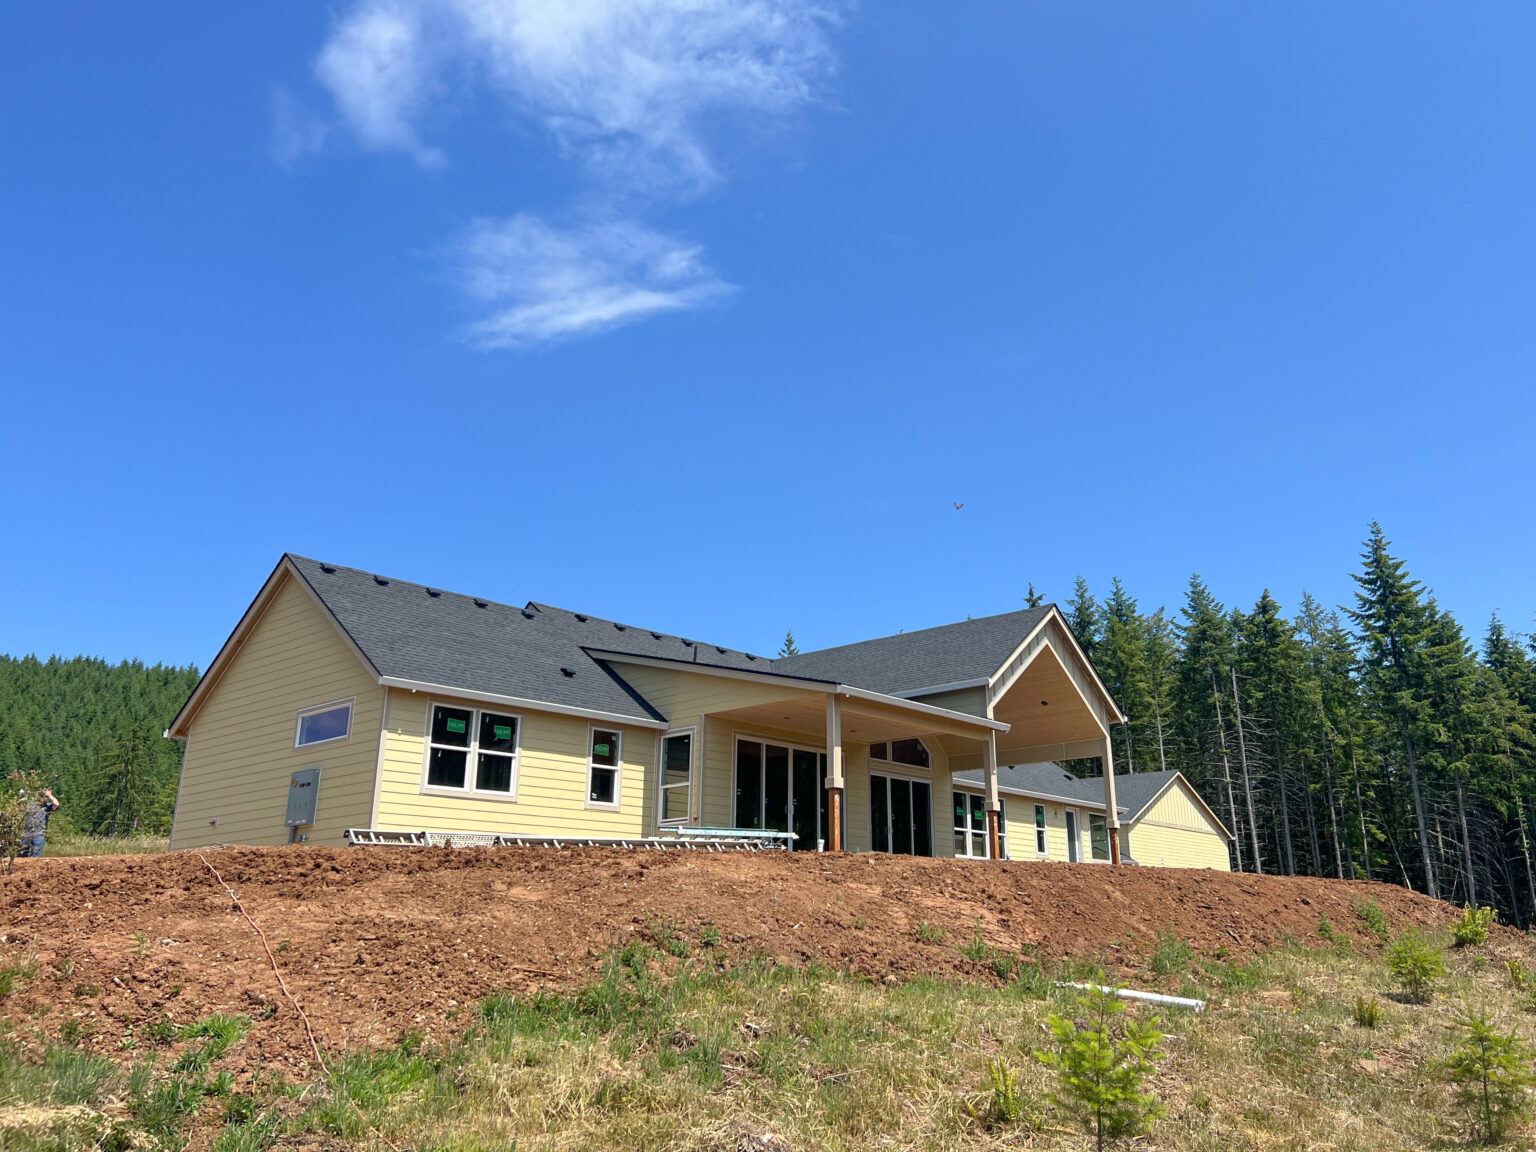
point(303, 791)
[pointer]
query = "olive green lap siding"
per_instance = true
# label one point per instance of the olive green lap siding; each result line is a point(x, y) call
point(240, 753)
point(551, 787)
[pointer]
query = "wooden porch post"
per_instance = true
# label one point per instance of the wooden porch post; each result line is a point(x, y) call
point(1111, 810)
point(994, 802)
point(834, 773)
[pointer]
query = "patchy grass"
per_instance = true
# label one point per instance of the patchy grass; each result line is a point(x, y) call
point(667, 1051)
point(71, 844)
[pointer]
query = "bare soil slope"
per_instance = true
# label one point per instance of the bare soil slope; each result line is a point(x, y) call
point(375, 941)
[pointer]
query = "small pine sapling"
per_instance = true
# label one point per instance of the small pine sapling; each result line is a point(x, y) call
point(1416, 964)
point(1103, 1065)
point(1491, 1071)
point(1367, 1012)
point(1473, 928)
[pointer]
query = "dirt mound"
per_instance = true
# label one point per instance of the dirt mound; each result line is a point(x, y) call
point(377, 941)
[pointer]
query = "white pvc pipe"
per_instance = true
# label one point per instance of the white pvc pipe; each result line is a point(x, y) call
point(1148, 997)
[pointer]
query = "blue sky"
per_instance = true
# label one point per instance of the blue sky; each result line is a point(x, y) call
point(703, 316)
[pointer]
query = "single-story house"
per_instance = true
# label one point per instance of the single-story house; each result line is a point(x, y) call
point(346, 702)
point(1049, 814)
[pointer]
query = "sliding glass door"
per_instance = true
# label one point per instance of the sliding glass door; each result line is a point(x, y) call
point(780, 788)
point(900, 815)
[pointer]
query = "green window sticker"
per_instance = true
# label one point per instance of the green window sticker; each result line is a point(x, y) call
point(502, 731)
point(600, 749)
point(455, 725)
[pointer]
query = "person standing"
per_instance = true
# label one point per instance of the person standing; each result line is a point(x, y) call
point(34, 832)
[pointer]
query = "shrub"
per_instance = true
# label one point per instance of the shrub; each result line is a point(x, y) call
point(1009, 1104)
point(1491, 1072)
point(1518, 975)
point(1373, 918)
point(1325, 929)
point(1103, 1066)
point(977, 949)
point(1473, 927)
point(1367, 1013)
point(1416, 964)
point(931, 933)
point(1172, 955)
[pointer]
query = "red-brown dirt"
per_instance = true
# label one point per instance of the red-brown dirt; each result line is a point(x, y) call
point(377, 941)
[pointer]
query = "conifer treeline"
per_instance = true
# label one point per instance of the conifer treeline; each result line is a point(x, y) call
point(93, 730)
point(1372, 742)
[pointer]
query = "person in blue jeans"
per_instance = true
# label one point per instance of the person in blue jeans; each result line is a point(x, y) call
point(34, 830)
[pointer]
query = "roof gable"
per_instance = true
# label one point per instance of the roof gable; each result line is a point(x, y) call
point(969, 651)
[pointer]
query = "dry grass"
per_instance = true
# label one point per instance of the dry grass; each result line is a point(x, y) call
point(70, 844)
point(672, 1054)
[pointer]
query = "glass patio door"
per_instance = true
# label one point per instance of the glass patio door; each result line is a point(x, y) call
point(778, 789)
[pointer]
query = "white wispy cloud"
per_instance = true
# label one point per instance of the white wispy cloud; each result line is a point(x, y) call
point(630, 90)
point(543, 283)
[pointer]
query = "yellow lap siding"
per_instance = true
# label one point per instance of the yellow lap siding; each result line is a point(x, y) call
point(1178, 847)
point(1175, 832)
point(240, 753)
point(551, 785)
point(686, 699)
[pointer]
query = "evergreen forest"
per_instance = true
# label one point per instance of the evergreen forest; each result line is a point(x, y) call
point(1374, 740)
point(93, 731)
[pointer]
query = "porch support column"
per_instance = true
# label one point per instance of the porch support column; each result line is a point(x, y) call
point(1111, 810)
point(994, 802)
point(834, 773)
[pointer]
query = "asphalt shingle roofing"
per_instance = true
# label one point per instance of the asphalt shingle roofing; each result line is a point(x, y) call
point(540, 652)
point(1133, 790)
point(949, 654)
point(428, 635)
point(1047, 780)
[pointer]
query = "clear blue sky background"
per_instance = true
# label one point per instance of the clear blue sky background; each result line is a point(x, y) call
point(1149, 288)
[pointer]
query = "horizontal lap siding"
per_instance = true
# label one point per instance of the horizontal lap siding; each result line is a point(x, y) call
point(1020, 814)
point(552, 785)
point(240, 752)
point(969, 700)
point(1176, 833)
point(686, 699)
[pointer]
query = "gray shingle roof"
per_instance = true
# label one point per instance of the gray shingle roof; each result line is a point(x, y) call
point(948, 654)
point(1133, 790)
point(1048, 780)
point(429, 635)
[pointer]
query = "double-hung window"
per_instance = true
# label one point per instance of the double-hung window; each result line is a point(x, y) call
point(971, 827)
point(676, 777)
point(1040, 830)
point(470, 750)
point(323, 724)
point(603, 768)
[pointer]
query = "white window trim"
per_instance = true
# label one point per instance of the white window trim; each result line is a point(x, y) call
point(980, 836)
point(350, 704)
point(873, 759)
point(617, 768)
point(1041, 816)
point(1068, 825)
point(1090, 858)
point(473, 751)
point(662, 786)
